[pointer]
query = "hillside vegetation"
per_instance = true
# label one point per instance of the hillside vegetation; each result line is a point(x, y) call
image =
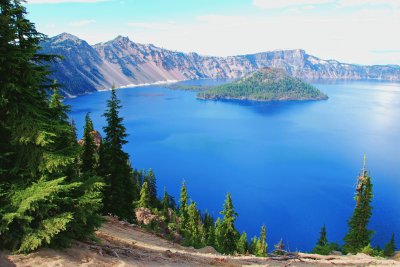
point(266, 84)
point(55, 189)
point(123, 244)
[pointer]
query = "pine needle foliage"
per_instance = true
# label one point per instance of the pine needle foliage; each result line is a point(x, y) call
point(89, 149)
point(242, 245)
point(119, 193)
point(183, 207)
point(144, 200)
point(226, 233)
point(43, 200)
point(359, 236)
point(261, 245)
point(390, 247)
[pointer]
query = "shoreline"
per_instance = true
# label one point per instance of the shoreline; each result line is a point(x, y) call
point(132, 85)
point(257, 100)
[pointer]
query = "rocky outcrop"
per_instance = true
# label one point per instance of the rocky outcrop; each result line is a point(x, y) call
point(144, 216)
point(96, 136)
point(122, 62)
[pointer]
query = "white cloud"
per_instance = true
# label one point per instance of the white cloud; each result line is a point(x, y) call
point(348, 37)
point(272, 4)
point(364, 3)
point(82, 22)
point(353, 36)
point(153, 25)
point(62, 1)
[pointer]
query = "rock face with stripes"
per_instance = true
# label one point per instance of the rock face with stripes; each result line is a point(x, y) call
point(87, 68)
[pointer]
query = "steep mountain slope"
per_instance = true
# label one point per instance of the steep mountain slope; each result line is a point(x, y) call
point(265, 84)
point(88, 68)
point(148, 63)
point(80, 70)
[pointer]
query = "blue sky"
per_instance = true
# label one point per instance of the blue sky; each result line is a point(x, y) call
point(354, 31)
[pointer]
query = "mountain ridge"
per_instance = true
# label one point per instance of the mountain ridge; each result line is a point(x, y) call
point(88, 68)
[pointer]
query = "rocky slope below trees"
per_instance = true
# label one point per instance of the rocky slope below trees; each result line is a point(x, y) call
point(87, 68)
point(122, 244)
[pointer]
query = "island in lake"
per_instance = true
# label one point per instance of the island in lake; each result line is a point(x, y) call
point(265, 84)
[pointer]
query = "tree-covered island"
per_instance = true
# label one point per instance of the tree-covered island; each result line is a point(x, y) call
point(265, 84)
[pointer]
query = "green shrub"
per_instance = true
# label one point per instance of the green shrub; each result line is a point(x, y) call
point(369, 250)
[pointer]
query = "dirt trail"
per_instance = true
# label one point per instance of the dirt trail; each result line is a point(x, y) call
point(126, 245)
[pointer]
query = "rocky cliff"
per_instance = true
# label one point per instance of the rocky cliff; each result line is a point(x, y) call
point(87, 68)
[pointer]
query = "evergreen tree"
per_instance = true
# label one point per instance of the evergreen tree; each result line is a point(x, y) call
point(193, 232)
point(87, 196)
point(138, 180)
point(219, 236)
point(183, 207)
point(41, 203)
point(390, 248)
point(89, 150)
point(114, 164)
point(252, 246)
point(322, 241)
point(144, 201)
point(165, 204)
point(59, 110)
point(151, 180)
point(208, 220)
point(358, 235)
point(242, 245)
point(227, 231)
point(261, 246)
point(323, 247)
point(202, 235)
point(209, 228)
point(210, 236)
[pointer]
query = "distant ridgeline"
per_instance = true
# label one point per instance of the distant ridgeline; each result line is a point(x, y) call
point(265, 84)
point(86, 68)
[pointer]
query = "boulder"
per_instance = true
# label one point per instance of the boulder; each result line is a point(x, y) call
point(144, 216)
point(97, 139)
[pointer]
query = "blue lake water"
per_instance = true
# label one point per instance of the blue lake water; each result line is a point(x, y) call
point(291, 165)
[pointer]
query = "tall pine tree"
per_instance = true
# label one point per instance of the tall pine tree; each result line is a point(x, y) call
point(151, 180)
point(228, 235)
point(209, 228)
point(322, 241)
point(358, 235)
point(242, 245)
point(42, 203)
point(253, 245)
point(144, 200)
point(165, 205)
point(261, 246)
point(183, 207)
point(193, 232)
point(89, 149)
point(119, 194)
